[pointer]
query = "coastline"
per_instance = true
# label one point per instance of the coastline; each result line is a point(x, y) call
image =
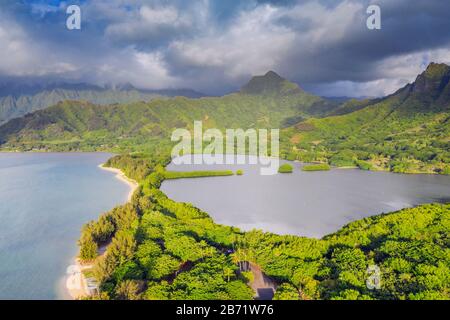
point(75, 284)
point(122, 177)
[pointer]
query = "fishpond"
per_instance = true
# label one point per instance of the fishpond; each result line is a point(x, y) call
point(310, 204)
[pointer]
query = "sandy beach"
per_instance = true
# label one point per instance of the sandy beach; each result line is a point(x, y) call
point(122, 177)
point(76, 284)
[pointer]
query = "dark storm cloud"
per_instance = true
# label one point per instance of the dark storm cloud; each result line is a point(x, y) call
point(214, 46)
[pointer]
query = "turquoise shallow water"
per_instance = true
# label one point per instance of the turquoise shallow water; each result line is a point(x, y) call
point(44, 201)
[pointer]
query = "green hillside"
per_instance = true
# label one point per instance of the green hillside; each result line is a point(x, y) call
point(14, 107)
point(408, 131)
point(14, 104)
point(75, 125)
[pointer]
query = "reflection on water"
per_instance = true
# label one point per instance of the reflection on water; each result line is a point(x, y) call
point(303, 203)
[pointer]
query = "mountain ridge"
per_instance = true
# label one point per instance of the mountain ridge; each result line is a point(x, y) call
point(154, 119)
point(16, 105)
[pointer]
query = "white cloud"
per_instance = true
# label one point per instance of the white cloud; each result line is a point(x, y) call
point(326, 25)
point(302, 42)
point(165, 15)
point(408, 66)
point(146, 70)
point(375, 88)
point(251, 45)
point(22, 56)
point(151, 24)
point(154, 44)
point(42, 9)
point(266, 38)
point(393, 73)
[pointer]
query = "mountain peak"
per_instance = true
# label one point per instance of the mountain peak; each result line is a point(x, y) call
point(436, 70)
point(270, 83)
point(433, 80)
point(273, 76)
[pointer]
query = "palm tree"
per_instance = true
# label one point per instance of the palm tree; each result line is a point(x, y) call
point(228, 272)
point(238, 257)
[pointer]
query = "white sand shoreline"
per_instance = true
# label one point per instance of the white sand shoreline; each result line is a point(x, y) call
point(122, 177)
point(75, 284)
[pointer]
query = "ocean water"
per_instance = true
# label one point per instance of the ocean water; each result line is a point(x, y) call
point(45, 198)
point(310, 204)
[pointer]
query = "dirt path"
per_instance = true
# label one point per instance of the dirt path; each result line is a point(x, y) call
point(263, 286)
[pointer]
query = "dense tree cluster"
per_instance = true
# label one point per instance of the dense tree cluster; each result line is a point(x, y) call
point(196, 174)
point(285, 168)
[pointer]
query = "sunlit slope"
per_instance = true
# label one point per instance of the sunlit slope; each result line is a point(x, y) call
point(75, 125)
point(405, 132)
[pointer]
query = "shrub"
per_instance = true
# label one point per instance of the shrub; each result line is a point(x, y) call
point(316, 167)
point(285, 168)
point(363, 165)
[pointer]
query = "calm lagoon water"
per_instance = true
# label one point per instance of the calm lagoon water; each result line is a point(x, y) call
point(310, 204)
point(44, 201)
